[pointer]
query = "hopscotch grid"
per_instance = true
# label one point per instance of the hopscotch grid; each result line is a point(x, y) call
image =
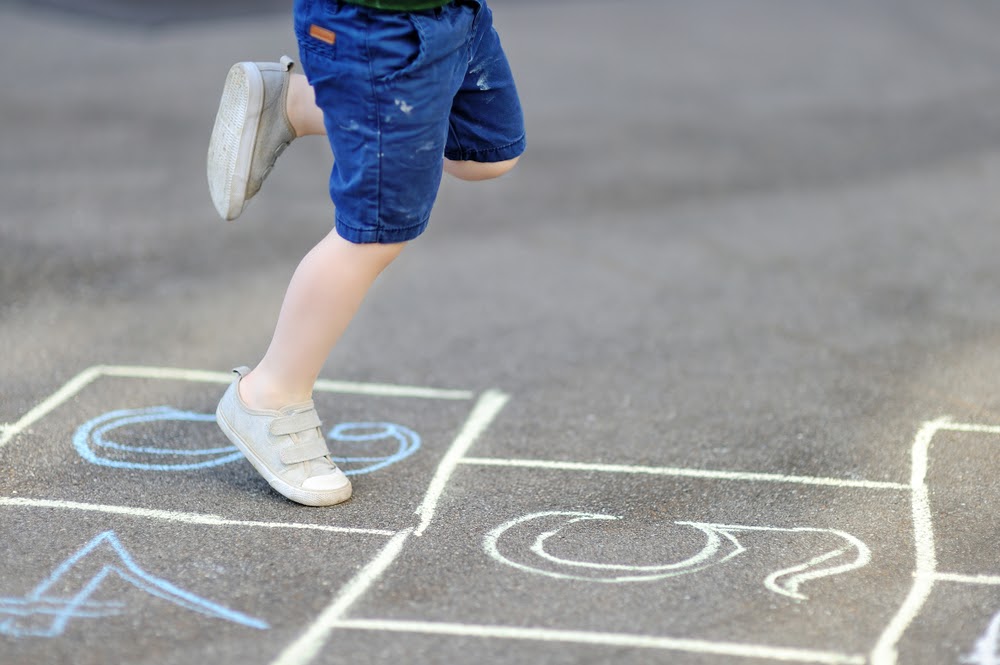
point(8, 431)
point(486, 409)
point(309, 644)
point(925, 574)
point(305, 648)
point(89, 375)
point(491, 402)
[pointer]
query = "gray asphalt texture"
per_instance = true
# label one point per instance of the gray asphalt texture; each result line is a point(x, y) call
point(753, 247)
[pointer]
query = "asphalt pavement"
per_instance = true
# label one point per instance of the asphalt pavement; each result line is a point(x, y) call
point(711, 377)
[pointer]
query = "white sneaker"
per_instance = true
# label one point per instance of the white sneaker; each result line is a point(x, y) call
point(251, 130)
point(286, 447)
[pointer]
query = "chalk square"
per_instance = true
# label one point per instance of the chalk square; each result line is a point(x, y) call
point(961, 466)
point(90, 588)
point(590, 517)
point(43, 458)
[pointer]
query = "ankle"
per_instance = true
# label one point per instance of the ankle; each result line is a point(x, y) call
point(259, 393)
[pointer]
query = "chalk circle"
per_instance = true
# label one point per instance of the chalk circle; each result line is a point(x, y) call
point(508, 544)
point(385, 443)
point(92, 443)
point(399, 443)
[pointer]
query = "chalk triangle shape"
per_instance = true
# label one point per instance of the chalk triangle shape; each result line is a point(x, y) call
point(68, 593)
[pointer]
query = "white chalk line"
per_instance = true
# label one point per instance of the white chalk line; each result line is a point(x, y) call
point(305, 648)
point(605, 639)
point(885, 651)
point(489, 405)
point(969, 427)
point(81, 380)
point(988, 580)
point(322, 385)
point(47, 405)
point(682, 472)
point(188, 518)
point(311, 642)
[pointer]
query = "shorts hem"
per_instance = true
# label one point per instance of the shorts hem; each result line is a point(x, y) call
point(382, 236)
point(489, 155)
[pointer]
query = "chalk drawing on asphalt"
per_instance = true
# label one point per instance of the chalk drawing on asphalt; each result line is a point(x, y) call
point(373, 445)
point(93, 443)
point(390, 443)
point(721, 545)
point(47, 609)
point(987, 649)
point(926, 575)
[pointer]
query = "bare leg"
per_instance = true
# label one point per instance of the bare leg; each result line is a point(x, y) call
point(300, 105)
point(328, 286)
point(322, 298)
point(478, 170)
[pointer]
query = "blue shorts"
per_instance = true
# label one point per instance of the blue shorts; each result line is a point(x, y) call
point(400, 91)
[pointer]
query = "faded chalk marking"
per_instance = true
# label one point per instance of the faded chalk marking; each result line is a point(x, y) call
point(55, 611)
point(731, 649)
point(305, 648)
point(189, 518)
point(486, 409)
point(885, 651)
point(721, 545)
point(403, 106)
point(684, 473)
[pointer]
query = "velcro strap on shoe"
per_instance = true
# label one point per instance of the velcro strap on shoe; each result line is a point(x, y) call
point(314, 448)
point(297, 422)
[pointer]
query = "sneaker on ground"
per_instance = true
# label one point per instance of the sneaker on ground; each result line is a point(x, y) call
point(251, 130)
point(286, 447)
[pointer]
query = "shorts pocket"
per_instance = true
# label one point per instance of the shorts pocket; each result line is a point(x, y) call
point(396, 45)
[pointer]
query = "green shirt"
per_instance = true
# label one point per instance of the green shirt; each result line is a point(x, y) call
point(401, 5)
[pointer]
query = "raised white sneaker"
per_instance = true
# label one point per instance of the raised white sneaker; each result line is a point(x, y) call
point(251, 130)
point(286, 447)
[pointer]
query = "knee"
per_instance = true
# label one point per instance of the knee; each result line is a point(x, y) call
point(478, 170)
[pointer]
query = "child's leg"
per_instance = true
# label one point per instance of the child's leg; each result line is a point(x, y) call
point(322, 298)
point(268, 413)
point(300, 106)
point(471, 170)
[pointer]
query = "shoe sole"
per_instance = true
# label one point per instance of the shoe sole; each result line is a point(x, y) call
point(296, 494)
point(230, 150)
